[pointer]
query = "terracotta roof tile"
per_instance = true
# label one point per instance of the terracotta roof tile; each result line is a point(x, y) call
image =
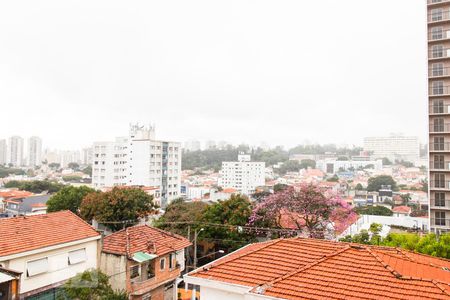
point(301, 268)
point(21, 234)
point(145, 239)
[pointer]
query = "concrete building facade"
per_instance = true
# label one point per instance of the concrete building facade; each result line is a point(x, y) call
point(3, 152)
point(243, 175)
point(139, 160)
point(34, 155)
point(15, 151)
point(439, 112)
point(394, 147)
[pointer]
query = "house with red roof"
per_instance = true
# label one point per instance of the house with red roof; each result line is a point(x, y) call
point(401, 211)
point(47, 250)
point(144, 261)
point(301, 268)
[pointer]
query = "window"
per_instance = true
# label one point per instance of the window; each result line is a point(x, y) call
point(437, 69)
point(438, 125)
point(438, 143)
point(162, 264)
point(171, 259)
point(438, 87)
point(147, 297)
point(437, 33)
point(77, 256)
point(36, 267)
point(440, 218)
point(439, 199)
point(135, 271)
point(439, 180)
point(150, 270)
point(438, 106)
point(437, 14)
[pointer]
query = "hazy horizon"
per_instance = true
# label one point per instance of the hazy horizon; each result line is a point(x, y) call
point(75, 72)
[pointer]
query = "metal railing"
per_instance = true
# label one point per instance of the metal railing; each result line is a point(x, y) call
point(440, 147)
point(440, 222)
point(439, 90)
point(438, 72)
point(438, 16)
point(437, 109)
point(440, 203)
point(440, 165)
point(440, 184)
point(437, 1)
point(441, 128)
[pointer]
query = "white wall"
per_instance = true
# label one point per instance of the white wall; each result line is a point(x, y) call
point(216, 294)
point(59, 269)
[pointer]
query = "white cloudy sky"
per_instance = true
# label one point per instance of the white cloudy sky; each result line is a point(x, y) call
point(280, 71)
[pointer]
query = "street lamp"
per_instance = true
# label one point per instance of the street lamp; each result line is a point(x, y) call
point(195, 245)
point(212, 253)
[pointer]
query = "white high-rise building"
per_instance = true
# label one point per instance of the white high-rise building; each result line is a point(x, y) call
point(394, 147)
point(14, 155)
point(34, 151)
point(210, 145)
point(86, 156)
point(3, 151)
point(243, 175)
point(139, 160)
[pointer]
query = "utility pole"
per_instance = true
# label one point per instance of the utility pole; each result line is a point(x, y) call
point(195, 249)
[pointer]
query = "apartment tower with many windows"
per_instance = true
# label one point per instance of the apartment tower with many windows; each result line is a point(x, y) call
point(439, 112)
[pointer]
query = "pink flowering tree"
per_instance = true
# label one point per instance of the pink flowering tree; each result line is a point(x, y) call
point(306, 210)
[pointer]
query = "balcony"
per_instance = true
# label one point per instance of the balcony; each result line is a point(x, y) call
point(439, 91)
point(440, 165)
point(439, 109)
point(437, 2)
point(440, 185)
point(440, 204)
point(435, 222)
point(440, 147)
point(438, 35)
point(437, 16)
point(440, 128)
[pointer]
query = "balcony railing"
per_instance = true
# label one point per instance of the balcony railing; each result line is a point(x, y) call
point(438, 16)
point(440, 184)
point(440, 165)
point(434, 36)
point(440, 204)
point(440, 222)
point(437, 1)
point(436, 147)
point(439, 91)
point(440, 128)
point(438, 53)
point(440, 109)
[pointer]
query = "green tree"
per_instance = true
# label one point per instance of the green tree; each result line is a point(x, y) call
point(87, 170)
point(233, 212)
point(54, 166)
point(374, 210)
point(359, 187)
point(279, 187)
point(289, 166)
point(91, 285)
point(181, 211)
point(307, 163)
point(5, 171)
point(72, 178)
point(118, 208)
point(35, 186)
point(386, 161)
point(74, 166)
point(375, 183)
point(68, 198)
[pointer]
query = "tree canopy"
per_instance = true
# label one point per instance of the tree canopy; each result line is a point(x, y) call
point(91, 285)
point(374, 184)
point(306, 209)
point(118, 208)
point(5, 171)
point(374, 210)
point(35, 186)
point(68, 198)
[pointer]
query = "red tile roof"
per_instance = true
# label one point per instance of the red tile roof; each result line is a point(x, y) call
point(301, 268)
point(402, 209)
point(143, 238)
point(21, 234)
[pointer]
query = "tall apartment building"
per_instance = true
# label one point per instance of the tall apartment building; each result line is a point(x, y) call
point(439, 112)
point(394, 147)
point(3, 151)
point(139, 160)
point(34, 147)
point(14, 153)
point(243, 175)
point(86, 156)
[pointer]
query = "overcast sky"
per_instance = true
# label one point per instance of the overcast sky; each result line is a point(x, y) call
point(283, 72)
